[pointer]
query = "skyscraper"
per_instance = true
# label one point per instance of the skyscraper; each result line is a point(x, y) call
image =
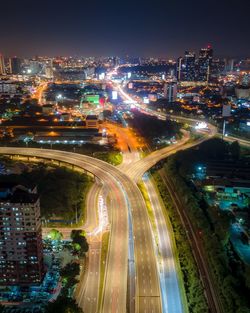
point(170, 91)
point(189, 66)
point(21, 259)
point(179, 68)
point(204, 64)
point(15, 66)
point(2, 65)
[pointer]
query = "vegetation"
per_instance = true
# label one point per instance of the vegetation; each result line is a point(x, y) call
point(104, 252)
point(69, 274)
point(79, 242)
point(148, 203)
point(112, 157)
point(230, 275)
point(63, 305)
point(62, 191)
point(154, 129)
point(54, 234)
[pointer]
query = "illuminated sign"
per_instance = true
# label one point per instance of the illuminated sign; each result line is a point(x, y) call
point(101, 76)
point(93, 99)
point(114, 95)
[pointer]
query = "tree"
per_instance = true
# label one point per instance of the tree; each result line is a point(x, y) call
point(63, 305)
point(54, 234)
point(70, 270)
point(247, 276)
point(79, 241)
point(234, 149)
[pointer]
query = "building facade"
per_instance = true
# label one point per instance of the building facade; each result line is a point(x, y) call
point(188, 67)
point(2, 65)
point(21, 257)
point(15, 66)
point(170, 91)
point(204, 64)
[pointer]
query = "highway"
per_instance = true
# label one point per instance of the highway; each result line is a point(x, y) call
point(125, 197)
point(123, 193)
point(118, 253)
point(242, 142)
point(87, 294)
point(171, 301)
point(138, 168)
point(171, 295)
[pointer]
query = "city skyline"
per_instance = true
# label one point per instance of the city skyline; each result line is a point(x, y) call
point(124, 156)
point(135, 29)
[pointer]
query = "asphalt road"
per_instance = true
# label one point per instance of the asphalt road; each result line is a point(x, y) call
point(87, 294)
point(118, 253)
point(123, 193)
point(171, 295)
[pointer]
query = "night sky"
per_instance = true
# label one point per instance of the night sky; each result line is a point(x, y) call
point(134, 27)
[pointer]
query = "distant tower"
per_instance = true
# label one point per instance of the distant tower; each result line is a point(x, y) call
point(170, 91)
point(15, 66)
point(189, 72)
point(204, 63)
point(2, 65)
point(179, 69)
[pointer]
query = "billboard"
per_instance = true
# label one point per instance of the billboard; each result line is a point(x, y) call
point(94, 99)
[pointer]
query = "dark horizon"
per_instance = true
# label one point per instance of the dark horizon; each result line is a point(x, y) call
point(132, 28)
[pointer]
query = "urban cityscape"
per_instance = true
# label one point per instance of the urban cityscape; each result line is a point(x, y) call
point(124, 160)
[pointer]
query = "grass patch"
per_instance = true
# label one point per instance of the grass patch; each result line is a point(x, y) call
point(104, 252)
point(112, 157)
point(148, 204)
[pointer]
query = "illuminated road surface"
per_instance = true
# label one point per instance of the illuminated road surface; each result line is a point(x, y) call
point(171, 296)
point(123, 192)
point(118, 253)
point(87, 294)
point(170, 291)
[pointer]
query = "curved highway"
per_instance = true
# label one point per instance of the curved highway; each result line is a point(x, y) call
point(123, 192)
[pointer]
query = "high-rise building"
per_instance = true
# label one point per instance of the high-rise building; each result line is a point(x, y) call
point(170, 91)
point(217, 67)
point(21, 257)
point(188, 66)
point(2, 65)
point(204, 63)
point(15, 66)
point(49, 72)
point(179, 72)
